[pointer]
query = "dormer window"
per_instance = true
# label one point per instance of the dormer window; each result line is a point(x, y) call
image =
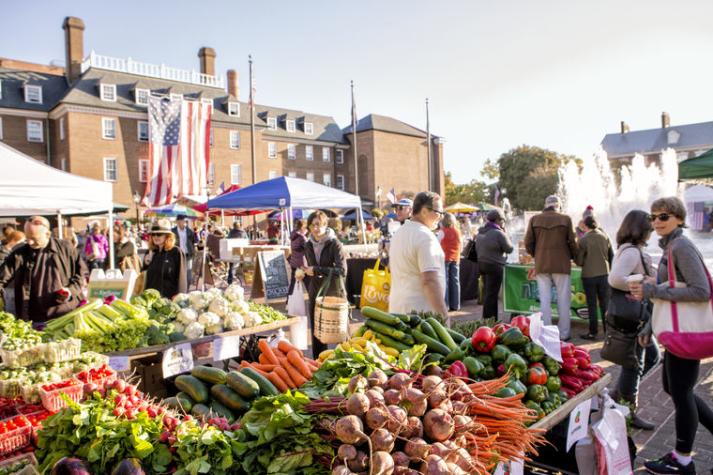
point(673, 137)
point(309, 128)
point(33, 94)
point(176, 97)
point(142, 96)
point(107, 92)
point(234, 109)
point(272, 123)
point(290, 125)
point(207, 100)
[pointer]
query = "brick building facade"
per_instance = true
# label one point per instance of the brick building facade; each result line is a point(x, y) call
point(91, 119)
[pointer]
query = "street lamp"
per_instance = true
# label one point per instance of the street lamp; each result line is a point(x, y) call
point(137, 200)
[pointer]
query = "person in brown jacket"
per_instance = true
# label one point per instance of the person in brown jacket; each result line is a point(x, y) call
point(48, 274)
point(551, 241)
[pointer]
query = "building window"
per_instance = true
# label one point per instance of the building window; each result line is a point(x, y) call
point(234, 109)
point(292, 174)
point(290, 125)
point(272, 123)
point(142, 96)
point(61, 128)
point(107, 92)
point(309, 128)
point(0, 128)
point(309, 152)
point(340, 182)
point(292, 151)
point(327, 179)
point(33, 94)
point(63, 164)
point(110, 173)
point(234, 174)
point(325, 154)
point(309, 176)
point(143, 130)
point(176, 97)
point(211, 174)
point(234, 139)
point(272, 174)
point(35, 131)
point(108, 128)
point(340, 157)
point(143, 171)
point(271, 150)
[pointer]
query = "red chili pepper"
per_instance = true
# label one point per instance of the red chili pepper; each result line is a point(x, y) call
point(583, 363)
point(483, 339)
point(523, 323)
point(569, 366)
point(567, 349)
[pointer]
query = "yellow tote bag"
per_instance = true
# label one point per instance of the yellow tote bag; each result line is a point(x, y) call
point(375, 288)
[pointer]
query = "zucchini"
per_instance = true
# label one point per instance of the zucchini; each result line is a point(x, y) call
point(383, 317)
point(193, 387)
point(220, 410)
point(209, 375)
point(427, 329)
point(457, 337)
point(173, 403)
point(243, 385)
point(432, 344)
point(388, 341)
point(185, 401)
point(229, 398)
point(200, 411)
point(266, 387)
point(403, 317)
point(443, 335)
point(360, 331)
point(390, 331)
point(415, 320)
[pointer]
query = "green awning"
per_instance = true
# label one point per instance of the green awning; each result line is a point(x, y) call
point(698, 167)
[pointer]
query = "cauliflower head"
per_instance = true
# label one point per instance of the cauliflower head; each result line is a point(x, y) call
point(198, 300)
point(234, 293)
point(209, 318)
point(182, 300)
point(194, 330)
point(219, 306)
point(186, 316)
point(252, 319)
point(213, 329)
point(234, 321)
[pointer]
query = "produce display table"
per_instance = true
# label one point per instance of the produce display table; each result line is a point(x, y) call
point(521, 295)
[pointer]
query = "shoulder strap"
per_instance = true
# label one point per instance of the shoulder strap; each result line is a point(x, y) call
point(643, 261)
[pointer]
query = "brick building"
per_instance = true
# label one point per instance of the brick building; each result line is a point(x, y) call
point(90, 118)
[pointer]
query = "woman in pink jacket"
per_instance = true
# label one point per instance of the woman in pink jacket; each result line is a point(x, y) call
point(96, 249)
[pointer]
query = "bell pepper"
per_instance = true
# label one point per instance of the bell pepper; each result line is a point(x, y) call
point(506, 392)
point(548, 406)
point(587, 375)
point(537, 393)
point(514, 339)
point(582, 353)
point(517, 386)
point(487, 360)
point(569, 366)
point(563, 395)
point(572, 383)
point(551, 365)
point(483, 339)
point(516, 365)
point(488, 372)
point(458, 370)
point(567, 349)
point(500, 353)
point(465, 345)
point(536, 375)
point(553, 384)
point(537, 365)
point(500, 328)
point(474, 366)
point(456, 355)
point(534, 352)
point(554, 398)
point(523, 323)
point(536, 408)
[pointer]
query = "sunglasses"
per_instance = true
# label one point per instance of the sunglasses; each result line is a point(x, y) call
point(440, 213)
point(663, 217)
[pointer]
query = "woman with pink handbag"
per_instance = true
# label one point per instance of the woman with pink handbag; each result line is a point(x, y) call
point(682, 306)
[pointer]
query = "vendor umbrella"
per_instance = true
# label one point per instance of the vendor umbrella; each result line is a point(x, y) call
point(461, 208)
point(296, 214)
point(171, 211)
point(487, 206)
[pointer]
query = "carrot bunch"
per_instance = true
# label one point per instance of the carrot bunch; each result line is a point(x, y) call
point(285, 366)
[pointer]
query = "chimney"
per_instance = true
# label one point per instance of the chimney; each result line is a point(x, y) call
point(73, 47)
point(665, 120)
point(624, 127)
point(207, 60)
point(233, 88)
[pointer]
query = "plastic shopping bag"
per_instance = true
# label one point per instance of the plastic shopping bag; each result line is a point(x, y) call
point(613, 457)
point(375, 288)
point(296, 308)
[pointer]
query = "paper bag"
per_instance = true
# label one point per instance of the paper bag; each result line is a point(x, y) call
point(375, 288)
point(612, 445)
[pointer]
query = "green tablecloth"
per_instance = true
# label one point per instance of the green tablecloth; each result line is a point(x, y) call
point(521, 295)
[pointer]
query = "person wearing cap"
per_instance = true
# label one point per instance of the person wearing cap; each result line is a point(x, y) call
point(186, 240)
point(492, 246)
point(165, 263)
point(550, 239)
point(404, 210)
point(48, 274)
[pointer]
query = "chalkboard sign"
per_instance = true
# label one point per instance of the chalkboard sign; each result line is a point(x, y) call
point(272, 272)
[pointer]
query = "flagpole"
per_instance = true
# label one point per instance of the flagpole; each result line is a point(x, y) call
point(354, 142)
point(428, 144)
point(252, 132)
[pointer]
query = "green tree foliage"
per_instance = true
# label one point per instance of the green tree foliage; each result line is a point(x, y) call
point(491, 170)
point(469, 193)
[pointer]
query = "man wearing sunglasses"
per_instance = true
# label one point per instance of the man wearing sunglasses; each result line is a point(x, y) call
point(404, 209)
point(417, 261)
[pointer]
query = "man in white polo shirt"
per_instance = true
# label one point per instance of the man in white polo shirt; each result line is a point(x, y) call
point(417, 261)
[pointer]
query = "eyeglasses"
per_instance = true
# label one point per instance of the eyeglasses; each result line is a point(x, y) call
point(663, 217)
point(440, 213)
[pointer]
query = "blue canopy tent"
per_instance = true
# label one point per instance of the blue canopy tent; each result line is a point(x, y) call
point(352, 215)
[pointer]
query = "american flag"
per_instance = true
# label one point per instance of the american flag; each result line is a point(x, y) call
point(179, 149)
point(698, 216)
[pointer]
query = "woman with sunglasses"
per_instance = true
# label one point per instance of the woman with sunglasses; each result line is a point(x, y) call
point(165, 263)
point(680, 375)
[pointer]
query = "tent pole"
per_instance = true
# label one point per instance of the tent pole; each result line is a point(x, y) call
point(363, 228)
point(111, 239)
point(222, 217)
point(59, 225)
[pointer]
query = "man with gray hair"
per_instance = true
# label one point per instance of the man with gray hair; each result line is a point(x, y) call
point(550, 239)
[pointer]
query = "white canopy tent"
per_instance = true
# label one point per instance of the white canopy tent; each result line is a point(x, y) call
point(29, 187)
point(698, 193)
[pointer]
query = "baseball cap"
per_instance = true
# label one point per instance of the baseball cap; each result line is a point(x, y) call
point(404, 202)
point(495, 215)
point(553, 200)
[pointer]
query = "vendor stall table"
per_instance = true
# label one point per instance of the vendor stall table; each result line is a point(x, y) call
point(521, 295)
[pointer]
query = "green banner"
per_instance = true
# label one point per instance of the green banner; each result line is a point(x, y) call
point(521, 295)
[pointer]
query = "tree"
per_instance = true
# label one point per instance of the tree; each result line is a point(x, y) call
point(473, 192)
point(490, 170)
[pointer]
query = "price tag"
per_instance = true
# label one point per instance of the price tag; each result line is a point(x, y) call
point(119, 363)
point(511, 467)
point(177, 360)
point(226, 347)
point(578, 423)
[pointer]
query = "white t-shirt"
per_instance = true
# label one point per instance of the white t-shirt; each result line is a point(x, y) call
point(183, 240)
point(414, 250)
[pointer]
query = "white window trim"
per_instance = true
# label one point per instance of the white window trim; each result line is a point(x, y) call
point(271, 150)
point(105, 87)
point(233, 168)
point(138, 131)
point(309, 153)
point(0, 88)
point(104, 128)
point(63, 164)
point(61, 129)
point(343, 185)
point(211, 174)
point(143, 163)
point(311, 128)
point(28, 88)
point(340, 157)
point(41, 138)
point(291, 151)
point(307, 176)
point(136, 96)
point(0, 128)
point(292, 174)
point(326, 154)
point(231, 112)
point(234, 133)
point(272, 174)
point(116, 169)
point(272, 123)
point(326, 182)
point(290, 125)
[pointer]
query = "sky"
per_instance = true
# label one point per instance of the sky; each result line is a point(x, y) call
point(559, 74)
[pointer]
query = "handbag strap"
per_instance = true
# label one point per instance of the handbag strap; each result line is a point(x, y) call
point(377, 264)
point(671, 268)
point(325, 285)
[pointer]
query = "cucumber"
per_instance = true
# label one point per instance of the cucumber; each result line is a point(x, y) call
point(220, 410)
point(266, 387)
point(209, 375)
point(390, 331)
point(229, 398)
point(432, 344)
point(415, 320)
point(427, 329)
point(442, 333)
point(383, 317)
point(185, 401)
point(193, 387)
point(388, 341)
point(243, 385)
point(200, 411)
point(403, 317)
point(173, 403)
point(360, 332)
point(457, 337)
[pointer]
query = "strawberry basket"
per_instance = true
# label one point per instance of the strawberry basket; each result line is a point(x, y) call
point(15, 434)
point(51, 394)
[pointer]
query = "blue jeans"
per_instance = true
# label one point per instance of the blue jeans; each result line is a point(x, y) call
point(629, 378)
point(452, 285)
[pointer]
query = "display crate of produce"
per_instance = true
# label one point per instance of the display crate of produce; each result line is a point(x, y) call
point(10, 388)
point(63, 350)
point(98, 375)
point(14, 434)
point(23, 464)
point(24, 357)
point(51, 394)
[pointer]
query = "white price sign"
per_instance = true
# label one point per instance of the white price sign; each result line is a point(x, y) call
point(512, 467)
point(578, 423)
point(177, 360)
point(226, 347)
point(119, 363)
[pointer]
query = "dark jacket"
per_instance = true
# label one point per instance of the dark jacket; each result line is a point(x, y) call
point(551, 241)
point(595, 254)
point(297, 247)
point(41, 273)
point(332, 260)
point(166, 272)
point(237, 234)
point(190, 241)
point(492, 245)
